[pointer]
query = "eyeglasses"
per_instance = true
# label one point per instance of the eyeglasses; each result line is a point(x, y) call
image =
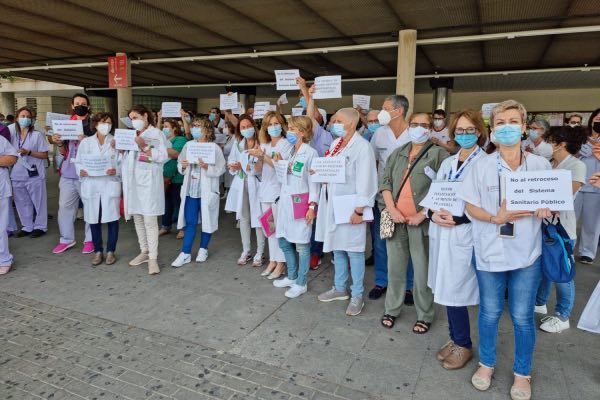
point(467, 131)
point(422, 125)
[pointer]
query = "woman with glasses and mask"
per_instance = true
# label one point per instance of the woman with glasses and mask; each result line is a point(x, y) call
point(451, 271)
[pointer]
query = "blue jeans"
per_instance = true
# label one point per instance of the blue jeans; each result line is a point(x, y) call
point(300, 275)
point(460, 328)
point(357, 269)
point(191, 213)
point(565, 296)
point(522, 287)
point(113, 234)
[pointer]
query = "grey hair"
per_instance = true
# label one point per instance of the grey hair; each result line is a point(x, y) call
point(542, 123)
point(349, 113)
point(398, 101)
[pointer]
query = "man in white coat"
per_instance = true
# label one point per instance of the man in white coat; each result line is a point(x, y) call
point(341, 217)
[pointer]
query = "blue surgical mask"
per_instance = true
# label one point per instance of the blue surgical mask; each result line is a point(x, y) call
point(302, 102)
point(338, 130)
point(25, 122)
point(508, 135)
point(167, 131)
point(466, 141)
point(292, 137)
point(274, 130)
point(212, 116)
point(533, 134)
point(247, 133)
point(373, 126)
point(196, 132)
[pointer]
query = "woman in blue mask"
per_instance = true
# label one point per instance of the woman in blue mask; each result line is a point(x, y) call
point(451, 265)
point(507, 248)
point(243, 194)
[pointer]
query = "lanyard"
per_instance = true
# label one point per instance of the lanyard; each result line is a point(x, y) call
point(292, 159)
point(462, 167)
point(21, 143)
point(500, 168)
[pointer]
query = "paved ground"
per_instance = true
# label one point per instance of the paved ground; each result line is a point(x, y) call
point(221, 331)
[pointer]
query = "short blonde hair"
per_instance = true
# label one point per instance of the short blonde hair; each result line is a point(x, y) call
point(508, 105)
point(304, 124)
point(206, 127)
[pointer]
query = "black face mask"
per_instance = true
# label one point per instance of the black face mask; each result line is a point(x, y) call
point(596, 127)
point(80, 111)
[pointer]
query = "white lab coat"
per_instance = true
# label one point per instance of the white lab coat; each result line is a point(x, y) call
point(235, 195)
point(270, 187)
point(143, 185)
point(99, 190)
point(361, 180)
point(296, 230)
point(451, 275)
point(209, 190)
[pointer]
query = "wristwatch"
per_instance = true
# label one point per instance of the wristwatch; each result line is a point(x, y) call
point(357, 213)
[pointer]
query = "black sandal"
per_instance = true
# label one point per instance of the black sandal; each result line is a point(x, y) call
point(388, 318)
point(423, 325)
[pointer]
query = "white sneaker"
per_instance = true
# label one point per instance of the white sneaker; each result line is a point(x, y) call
point(285, 282)
point(295, 291)
point(202, 255)
point(553, 324)
point(181, 260)
point(541, 310)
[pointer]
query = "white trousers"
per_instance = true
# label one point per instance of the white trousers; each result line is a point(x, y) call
point(68, 204)
point(275, 252)
point(146, 228)
point(5, 256)
point(587, 209)
point(246, 229)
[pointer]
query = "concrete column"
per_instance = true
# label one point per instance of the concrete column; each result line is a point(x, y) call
point(407, 56)
point(124, 96)
point(442, 90)
point(7, 103)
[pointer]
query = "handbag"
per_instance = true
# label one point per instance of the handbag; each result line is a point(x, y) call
point(386, 224)
point(558, 261)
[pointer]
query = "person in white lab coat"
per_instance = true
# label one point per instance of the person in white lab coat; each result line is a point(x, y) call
point(297, 189)
point(101, 195)
point(199, 194)
point(507, 248)
point(143, 186)
point(451, 274)
point(243, 194)
point(347, 240)
point(274, 147)
point(536, 142)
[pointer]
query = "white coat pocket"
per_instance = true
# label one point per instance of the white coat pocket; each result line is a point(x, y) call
point(114, 189)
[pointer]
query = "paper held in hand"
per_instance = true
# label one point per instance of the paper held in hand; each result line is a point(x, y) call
point(344, 206)
point(197, 151)
point(329, 169)
point(50, 116)
point(328, 87)
point(228, 101)
point(297, 111)
point(361, 100)
point(530, 190)
point(442, 194)
point(260, 109)
point(170, 109)
point(286, 79)
point(68, 129)
point(125, 139)
point(95, 165)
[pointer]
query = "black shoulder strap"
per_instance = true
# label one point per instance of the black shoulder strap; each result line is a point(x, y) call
point(412, 166)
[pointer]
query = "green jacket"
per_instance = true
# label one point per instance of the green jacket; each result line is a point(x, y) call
point(397, 164)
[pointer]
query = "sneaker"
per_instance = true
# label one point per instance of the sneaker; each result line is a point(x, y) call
point(244, 258)
point(153, 268)
point(553, 324)
point(458, 357)
point(36, 233)
point(541, 309)
point(61, 247)
point(4, 269)
point(285, 282)
point(355, 307)
point(444, 351)
point(377, 292)
point(202, 255)
point(139, 260)
point(332, 295)
point(181, 260)
point(88, 248)
point(586, 260)
point(295, 291)
point(258, 260)
point(315, 262)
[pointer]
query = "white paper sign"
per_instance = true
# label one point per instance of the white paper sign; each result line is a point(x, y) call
point(68, 129)
point(328, 87)
point(296, 111)
point(50, 116)
point(442, 194)
point(486, 110)
point(127, 122)
point(530, 190)
point(344, 206)
point(170, 109)
point(329, 169)
point(197, 151)
point(260, 109)
point(361, 100)
point(229, 101)
point(281, 169)
point(125, 139)
point(95, 165)
point(283, 99)
point(286, 79)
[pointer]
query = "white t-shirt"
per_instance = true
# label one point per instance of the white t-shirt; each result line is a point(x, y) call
point(443, 135)
point(481, 188)
point(544, 149)
point(578, 170)
point(384, 142)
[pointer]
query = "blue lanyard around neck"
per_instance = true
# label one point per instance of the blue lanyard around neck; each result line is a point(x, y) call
point(462, 167)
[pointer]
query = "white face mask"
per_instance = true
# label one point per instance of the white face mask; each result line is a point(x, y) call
point(418, 135)
point(104, 128)
point(384, 117)
point(138, 124)
point(438, 123)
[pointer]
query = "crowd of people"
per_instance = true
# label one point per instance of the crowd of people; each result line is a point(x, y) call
point(266, 172)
